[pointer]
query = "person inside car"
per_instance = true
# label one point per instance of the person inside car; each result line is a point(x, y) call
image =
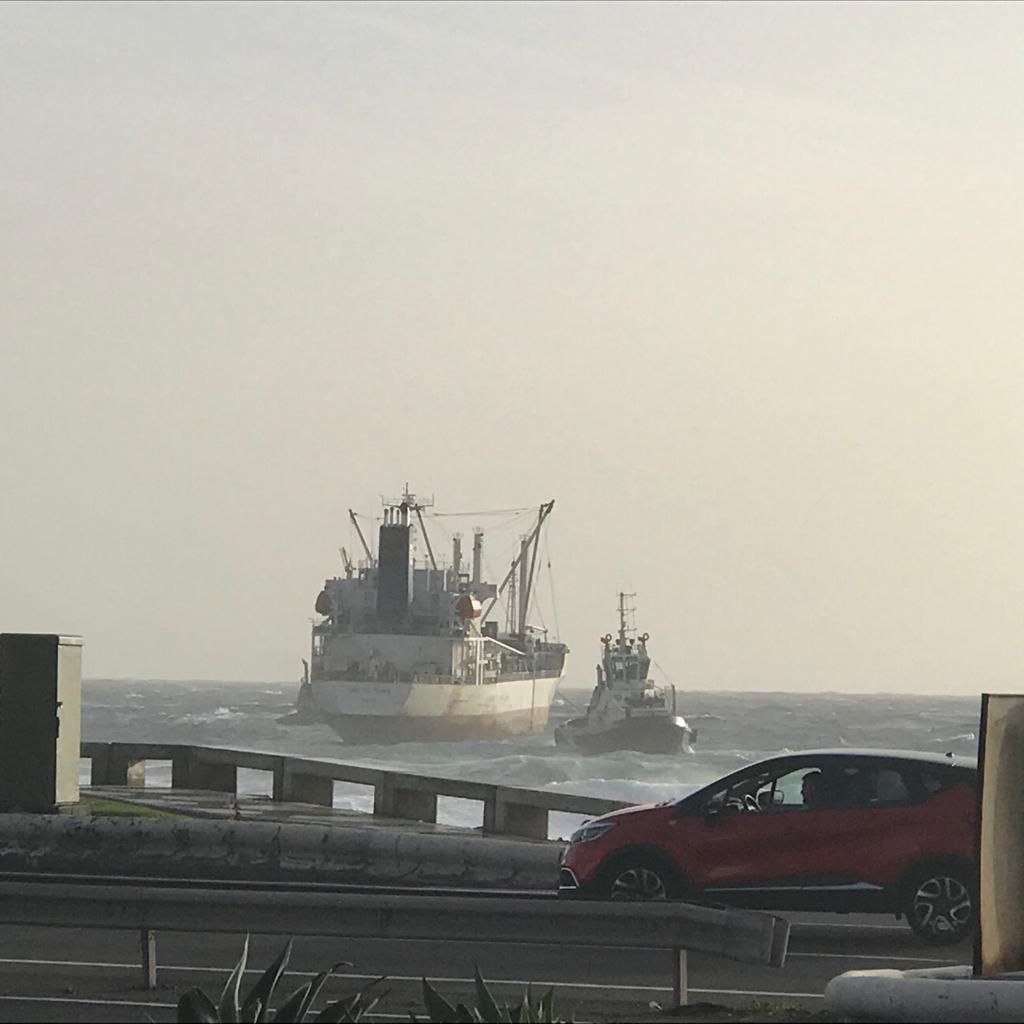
point(812, 790)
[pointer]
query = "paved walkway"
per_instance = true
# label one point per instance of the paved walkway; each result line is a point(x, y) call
point(202, 803)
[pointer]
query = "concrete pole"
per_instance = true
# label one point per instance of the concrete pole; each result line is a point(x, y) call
point(478, 553)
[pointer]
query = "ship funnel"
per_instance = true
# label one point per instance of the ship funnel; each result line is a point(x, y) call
point(394, 572)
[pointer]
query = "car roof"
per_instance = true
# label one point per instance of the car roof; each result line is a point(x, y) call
point(920, 756)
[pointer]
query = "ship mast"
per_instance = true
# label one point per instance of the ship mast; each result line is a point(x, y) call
point(623, 612)
point(410, 501)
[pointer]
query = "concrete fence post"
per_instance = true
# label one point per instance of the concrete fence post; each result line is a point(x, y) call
point(505, 817)
point(181, 768)
point(393, 800)
point(218, 776)
point(302, 787)
point(280, 768)
point(99, 773)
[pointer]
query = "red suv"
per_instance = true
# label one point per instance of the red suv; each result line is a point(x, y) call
point(839, 830)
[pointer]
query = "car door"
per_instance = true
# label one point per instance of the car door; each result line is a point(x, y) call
point(882, 824)
point(850, 843)
point(757, 831)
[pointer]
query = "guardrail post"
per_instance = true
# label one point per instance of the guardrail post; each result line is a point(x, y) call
point(503, 816)
point(391, 800)
point(304, 788)
point(680, 982)
point(148, 941)
point(99, 760)
point(218, 776)
point(181, 768)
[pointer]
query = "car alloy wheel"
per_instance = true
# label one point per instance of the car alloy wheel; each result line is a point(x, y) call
point(638, 882)
point(941, 907)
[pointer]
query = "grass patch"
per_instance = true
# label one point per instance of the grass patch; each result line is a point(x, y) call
point(100, 807)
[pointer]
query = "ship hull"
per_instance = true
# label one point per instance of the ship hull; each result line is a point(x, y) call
point(667, 734)
point(396, 712)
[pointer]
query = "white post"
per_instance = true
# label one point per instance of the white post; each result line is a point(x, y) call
point(680, 985)
point(147, 938)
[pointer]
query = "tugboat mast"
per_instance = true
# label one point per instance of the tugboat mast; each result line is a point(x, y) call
point(623, 612)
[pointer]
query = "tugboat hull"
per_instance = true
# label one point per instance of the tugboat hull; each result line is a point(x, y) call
point(667, 734)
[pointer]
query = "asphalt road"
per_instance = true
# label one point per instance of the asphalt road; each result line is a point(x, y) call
point(51, 974)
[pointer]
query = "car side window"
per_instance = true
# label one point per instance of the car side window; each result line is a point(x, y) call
point(891, 788)
point(767, 791)
point(786, 791)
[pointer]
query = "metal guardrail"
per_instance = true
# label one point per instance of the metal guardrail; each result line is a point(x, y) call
point(746, 936)
point(508, 810)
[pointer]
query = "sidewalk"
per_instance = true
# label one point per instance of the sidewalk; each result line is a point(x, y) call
point(201, 803)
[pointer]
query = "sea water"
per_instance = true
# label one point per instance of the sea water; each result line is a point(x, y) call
point(733, 729)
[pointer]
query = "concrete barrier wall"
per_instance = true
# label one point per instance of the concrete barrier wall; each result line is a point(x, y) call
point(944, 994)
point(271, 852)
point(508, 810)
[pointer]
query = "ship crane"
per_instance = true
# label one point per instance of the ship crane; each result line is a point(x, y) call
point(362, 540)
point(347, 562)
point(526, 576)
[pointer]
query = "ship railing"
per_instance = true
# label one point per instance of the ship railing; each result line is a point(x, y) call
point(507, 810)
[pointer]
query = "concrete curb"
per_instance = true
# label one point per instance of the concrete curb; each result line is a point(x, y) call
point(270, 851)
point(934, 994)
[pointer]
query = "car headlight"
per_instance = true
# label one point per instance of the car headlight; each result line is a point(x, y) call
point(591, 830)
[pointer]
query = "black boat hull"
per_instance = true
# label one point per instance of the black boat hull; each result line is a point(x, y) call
point(668, 734)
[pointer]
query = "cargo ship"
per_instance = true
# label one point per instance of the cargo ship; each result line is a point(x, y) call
point(405, 649)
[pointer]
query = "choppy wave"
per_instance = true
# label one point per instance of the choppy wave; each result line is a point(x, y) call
point(734, 729)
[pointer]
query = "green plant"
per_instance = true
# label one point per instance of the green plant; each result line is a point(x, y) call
point(487, 1011)
point(100, 807)
point(195, 1007)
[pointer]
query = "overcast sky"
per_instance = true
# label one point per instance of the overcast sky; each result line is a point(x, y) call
point(739, 286)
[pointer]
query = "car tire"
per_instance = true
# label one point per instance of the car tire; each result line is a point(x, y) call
point(640, 878)
point(939, 902)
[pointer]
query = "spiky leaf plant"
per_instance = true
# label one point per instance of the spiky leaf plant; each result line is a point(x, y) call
point(195, 1007)
point(487, 1010)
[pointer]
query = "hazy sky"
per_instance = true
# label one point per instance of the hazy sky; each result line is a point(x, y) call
point(739, 286)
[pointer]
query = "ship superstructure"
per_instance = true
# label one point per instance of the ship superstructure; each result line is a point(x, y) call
point(405, 648)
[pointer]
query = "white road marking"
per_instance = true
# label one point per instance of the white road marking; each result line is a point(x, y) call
point(874, 956)
point(562, 985)
point(145, 1006)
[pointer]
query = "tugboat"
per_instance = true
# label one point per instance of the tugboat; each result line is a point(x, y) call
point(627, 711)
